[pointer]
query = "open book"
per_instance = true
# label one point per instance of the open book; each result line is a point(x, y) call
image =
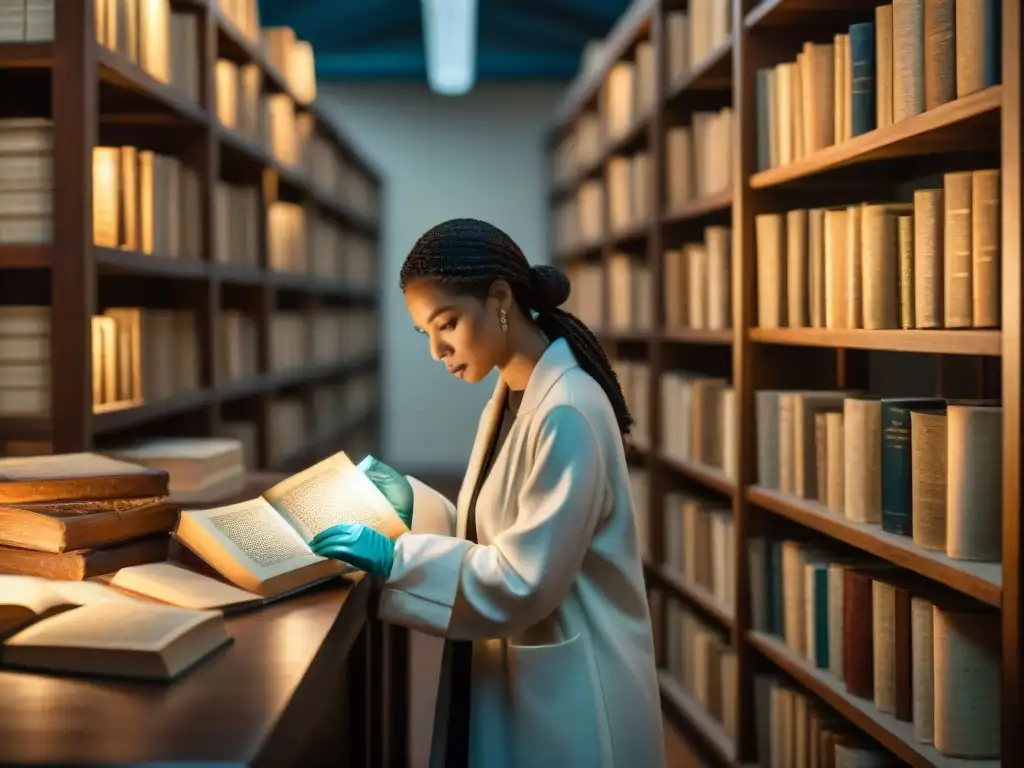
point(27, 599)
point(90, 628)
point(262, 545)
point(131, 639)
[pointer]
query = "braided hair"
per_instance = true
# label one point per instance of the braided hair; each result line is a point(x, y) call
point(468, 255)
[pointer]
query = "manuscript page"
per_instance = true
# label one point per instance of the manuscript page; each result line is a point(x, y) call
point(331, 492)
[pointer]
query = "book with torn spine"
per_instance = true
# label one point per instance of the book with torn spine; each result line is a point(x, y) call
point(262, 545)
point(75, 525)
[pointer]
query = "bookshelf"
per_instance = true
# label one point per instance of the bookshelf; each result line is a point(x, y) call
point(659, 322)
point(226, 204)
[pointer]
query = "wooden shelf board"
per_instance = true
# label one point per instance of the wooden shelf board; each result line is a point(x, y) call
point(986, 343)
point(114, 261)
point(895, 735)
point(629, 141)
point(712, 74)
point(629, 29)
point(631, 235)
point(982, 581)
point(917, 135)
point(696, 336)
point(25, 428)
point(804, 12)
point(694, 594)
point(695, 719)
point(698, 208)
point(26, 55)
point(17, 256)
point(118, 418)
point(712, 477)
point(116, 70)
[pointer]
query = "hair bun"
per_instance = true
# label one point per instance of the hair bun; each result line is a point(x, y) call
point(550, 287)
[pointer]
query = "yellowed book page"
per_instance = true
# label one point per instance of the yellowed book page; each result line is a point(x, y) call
point(28, 591)
point(88, 593)
point(331, 492)
point(249, 542)
point(135, 626)
point(179, 586)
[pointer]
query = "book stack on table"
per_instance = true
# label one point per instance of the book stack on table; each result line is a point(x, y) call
point(64, 608)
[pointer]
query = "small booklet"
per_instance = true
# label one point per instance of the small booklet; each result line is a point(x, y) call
point(262, 545)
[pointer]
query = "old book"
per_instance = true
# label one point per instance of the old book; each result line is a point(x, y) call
point(181, 587)
point(881, 265)
point(958, 263)
point(71, 525)
point(119, 639)
point(928, 478)
point(76, 476)
point(929, 259)
point(883, 65)
point(84, 563)
point(966, 648)
point(974, 473)
point(26, 599)
point(939, 52)
point(262, 545)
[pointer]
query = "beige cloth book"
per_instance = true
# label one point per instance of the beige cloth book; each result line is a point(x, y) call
point(262, 545)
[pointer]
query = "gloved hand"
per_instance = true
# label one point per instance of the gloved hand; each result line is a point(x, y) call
point(357, 545)
point(393, 484)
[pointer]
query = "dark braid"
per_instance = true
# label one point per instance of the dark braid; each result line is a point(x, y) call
point(469, 255)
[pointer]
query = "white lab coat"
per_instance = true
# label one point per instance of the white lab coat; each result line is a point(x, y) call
point(552, 596)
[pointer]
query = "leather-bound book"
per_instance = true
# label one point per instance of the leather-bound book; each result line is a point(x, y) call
point(71, 525)
point(77, 476)
point(84, 563)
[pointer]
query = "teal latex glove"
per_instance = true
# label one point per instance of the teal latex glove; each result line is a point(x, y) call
point(357, 545)
point(393, 484)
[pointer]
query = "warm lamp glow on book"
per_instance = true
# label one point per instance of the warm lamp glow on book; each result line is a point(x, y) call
point(449, 37)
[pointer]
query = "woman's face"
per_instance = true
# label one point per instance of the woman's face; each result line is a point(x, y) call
point(464, 333)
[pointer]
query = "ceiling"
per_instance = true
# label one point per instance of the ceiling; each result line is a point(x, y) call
point(383, 39)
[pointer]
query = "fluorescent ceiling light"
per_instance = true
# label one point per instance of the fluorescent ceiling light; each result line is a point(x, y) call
point(449, 32)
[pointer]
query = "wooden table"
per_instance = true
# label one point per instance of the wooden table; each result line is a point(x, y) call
point(292, 690)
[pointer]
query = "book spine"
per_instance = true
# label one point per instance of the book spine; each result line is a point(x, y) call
point(763, 118)
point(862, 80)
point(896, 489)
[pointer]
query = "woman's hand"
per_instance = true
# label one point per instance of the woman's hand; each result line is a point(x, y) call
point(393, 484)
point(357, 545)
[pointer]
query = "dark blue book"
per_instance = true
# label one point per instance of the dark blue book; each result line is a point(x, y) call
point(993, 61)
point(897, 488)
point(862, 77)
point(763, 120)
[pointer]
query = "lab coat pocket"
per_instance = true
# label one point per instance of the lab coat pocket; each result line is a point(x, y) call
point(558, 718)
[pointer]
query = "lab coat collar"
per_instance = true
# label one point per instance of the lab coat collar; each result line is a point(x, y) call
point(556, 360)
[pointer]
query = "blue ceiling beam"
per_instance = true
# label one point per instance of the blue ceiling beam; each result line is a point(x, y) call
point(410, 64)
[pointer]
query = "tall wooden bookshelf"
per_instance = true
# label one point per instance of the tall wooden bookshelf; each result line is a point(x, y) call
point(884, 161)
point(198, 85)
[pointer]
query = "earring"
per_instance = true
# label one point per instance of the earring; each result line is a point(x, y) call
point(503, 319)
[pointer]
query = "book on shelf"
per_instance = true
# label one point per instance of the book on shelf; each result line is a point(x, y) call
point(926, 468)
point(701, 661)
point(931, 263)
point(912, 57)
point(262, 545)
point(907, 648)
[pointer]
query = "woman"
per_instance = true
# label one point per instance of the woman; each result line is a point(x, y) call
point(540, 589)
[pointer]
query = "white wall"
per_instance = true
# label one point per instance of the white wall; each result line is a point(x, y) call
point(480, 156)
